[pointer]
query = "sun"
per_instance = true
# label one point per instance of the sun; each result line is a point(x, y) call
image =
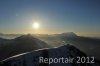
point(36, 25)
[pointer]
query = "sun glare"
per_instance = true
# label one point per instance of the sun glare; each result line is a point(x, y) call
point(36, 25)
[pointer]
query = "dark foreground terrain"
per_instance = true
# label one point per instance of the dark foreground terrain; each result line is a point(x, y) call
point(67, 51)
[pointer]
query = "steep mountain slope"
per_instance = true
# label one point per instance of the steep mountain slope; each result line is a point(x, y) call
point(50, 56)
point(25, 43)
point(55, 39)
point(89, 45)
point(86, 44)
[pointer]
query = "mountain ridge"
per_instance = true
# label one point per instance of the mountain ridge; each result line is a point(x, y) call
point(19, 45)
point(32, 58)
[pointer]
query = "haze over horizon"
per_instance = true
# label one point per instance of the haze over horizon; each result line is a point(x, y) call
point(51, 16)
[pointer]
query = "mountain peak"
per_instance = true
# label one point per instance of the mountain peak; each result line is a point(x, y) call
point(28, 36)
point(22, 44)
point(69, 34)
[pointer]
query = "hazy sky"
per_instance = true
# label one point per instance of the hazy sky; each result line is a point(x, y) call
point(54, 16)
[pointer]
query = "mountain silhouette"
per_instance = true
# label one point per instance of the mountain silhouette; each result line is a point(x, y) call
point(68, 34)
point(24, 43)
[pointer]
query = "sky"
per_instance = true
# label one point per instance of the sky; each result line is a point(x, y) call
point(53, 16)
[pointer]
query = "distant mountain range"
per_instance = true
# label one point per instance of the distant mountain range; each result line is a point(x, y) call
point(25, 43)
point(67, 54)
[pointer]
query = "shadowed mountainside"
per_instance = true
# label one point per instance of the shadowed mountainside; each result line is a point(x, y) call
point(24, 43)
point(86, 44)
